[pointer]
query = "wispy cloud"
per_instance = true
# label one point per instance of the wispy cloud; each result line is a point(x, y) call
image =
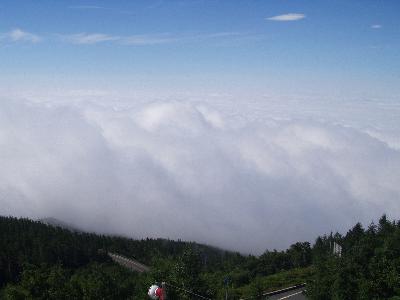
point(376, 26)
point(134, 40)
point(146, 39)
point(86, 7)
point(18, 35)
point(223, 34)
point(89, 38)
point(287, 17)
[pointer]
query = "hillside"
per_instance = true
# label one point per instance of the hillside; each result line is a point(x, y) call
point(40, 261)
point(58, 223)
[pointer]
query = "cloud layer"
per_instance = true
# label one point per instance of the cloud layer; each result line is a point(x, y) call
point(187, 170)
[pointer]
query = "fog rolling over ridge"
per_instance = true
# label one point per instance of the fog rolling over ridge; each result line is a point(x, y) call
point(240, 177)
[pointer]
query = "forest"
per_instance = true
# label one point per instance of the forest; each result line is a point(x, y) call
point(39, 261)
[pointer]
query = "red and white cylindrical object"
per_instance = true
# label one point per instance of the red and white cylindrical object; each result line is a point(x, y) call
point(156, 293)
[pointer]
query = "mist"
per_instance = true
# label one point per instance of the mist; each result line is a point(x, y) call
point(197, 170)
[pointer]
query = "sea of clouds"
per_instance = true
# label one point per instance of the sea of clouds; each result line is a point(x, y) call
point(243, 176)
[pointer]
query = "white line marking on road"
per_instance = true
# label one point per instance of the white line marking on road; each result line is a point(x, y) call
point(286, 297)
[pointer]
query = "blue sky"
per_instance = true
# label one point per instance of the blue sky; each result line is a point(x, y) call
point(345, 47)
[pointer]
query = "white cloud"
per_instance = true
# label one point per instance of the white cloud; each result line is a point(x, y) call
point(89, 7)
point(146, 39)
point(376, 26)
point(287, 17)
point(134, 40)
point(152, 39)
point(188, 170)
point(89, 38)
point(83, 38)
point(18, 35)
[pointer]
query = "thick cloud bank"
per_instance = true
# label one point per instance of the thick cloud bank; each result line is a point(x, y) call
point(187, 170)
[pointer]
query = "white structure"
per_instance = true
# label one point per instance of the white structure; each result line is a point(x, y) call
point(337, 249)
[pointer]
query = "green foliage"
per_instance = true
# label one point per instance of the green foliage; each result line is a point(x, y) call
point(41, 282)
point(102, 281)
point(186, 272)
point(44, 262)
point(369, 267)
point(276, 281)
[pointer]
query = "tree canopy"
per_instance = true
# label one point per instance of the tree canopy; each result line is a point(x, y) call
point(38, 261)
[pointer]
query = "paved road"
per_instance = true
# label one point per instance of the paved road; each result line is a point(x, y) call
point(129, 263)
point(291, 295)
